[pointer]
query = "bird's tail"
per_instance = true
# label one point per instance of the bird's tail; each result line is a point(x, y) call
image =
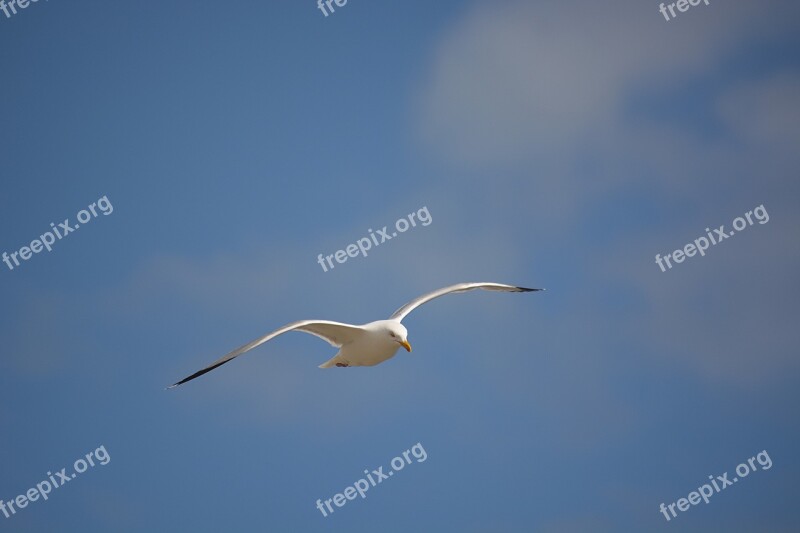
point(332, 361)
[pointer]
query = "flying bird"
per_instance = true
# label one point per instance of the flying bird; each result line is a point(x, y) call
point(365, 345)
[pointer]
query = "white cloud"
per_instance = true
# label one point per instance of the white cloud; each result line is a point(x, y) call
point(513, 80)
point(543, 91)
point(727, 316)
point(765, 112)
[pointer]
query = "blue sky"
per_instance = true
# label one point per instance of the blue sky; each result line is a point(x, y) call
point(555, 144)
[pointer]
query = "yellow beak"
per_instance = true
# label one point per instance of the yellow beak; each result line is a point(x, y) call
point(405, 345)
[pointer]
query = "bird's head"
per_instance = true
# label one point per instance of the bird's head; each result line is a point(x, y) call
point(398, 333)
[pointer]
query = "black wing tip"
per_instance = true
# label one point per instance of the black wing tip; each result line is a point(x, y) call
point(177, 384)
point(199, 373)
point(190, 378)
point(526, 289)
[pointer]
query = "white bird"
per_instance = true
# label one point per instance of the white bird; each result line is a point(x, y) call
point(365, 345)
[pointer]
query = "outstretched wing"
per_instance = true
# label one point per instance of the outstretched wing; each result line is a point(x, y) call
point(335, 333)
point(401, 313)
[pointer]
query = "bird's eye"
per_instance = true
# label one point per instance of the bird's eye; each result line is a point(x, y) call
point(392, 334)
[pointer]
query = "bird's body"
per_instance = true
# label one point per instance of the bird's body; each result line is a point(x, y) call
point(359, 345)
point(374, 346)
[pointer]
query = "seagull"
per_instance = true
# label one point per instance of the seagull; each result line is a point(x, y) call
point(364, 345)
